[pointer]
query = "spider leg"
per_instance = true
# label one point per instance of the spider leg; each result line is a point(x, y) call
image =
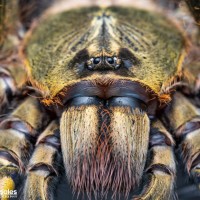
point(8, 27)
point(184, 118)
point(194, 7)
point(18, 133)
point(31, 9)
point(170, 4)
point(2, 16)
point(160, 173)
point(42, 170)
point(12, 74)
point(191, 73)
point(8, 16)
point(12, 77)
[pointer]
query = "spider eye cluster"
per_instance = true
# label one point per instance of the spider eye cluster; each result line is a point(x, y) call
point(104, 62)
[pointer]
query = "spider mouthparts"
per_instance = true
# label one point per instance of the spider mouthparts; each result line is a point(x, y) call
point(113, 101)
point(119, 93)
point(99, 148)
point(127, 101)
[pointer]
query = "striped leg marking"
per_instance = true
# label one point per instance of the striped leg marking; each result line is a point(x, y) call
point(184, 120)
point(159, 182)
point(43, 168)
point(18, 133)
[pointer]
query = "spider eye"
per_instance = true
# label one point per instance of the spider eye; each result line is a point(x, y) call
point(113, 61)
point(110, 63)
point(110, 60)
point(96, 60)
point(93, 62)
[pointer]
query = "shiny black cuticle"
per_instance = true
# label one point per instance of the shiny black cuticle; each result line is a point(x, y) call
point(111, 102)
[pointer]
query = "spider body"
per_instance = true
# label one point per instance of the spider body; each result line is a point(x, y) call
point(104, 77)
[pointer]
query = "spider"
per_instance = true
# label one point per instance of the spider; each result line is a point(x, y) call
point(100, 94)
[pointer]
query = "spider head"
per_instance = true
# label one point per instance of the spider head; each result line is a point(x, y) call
point(112, 43)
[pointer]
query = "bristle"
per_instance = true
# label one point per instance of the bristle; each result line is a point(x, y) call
point(130, 136)
point(104, 150)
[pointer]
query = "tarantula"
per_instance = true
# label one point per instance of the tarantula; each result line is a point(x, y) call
point(104, 92)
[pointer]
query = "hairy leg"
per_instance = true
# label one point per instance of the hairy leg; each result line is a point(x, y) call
point(18, 132)
point(43, 168)
point(194, 6)
point(184, 120)
point(160, 173)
